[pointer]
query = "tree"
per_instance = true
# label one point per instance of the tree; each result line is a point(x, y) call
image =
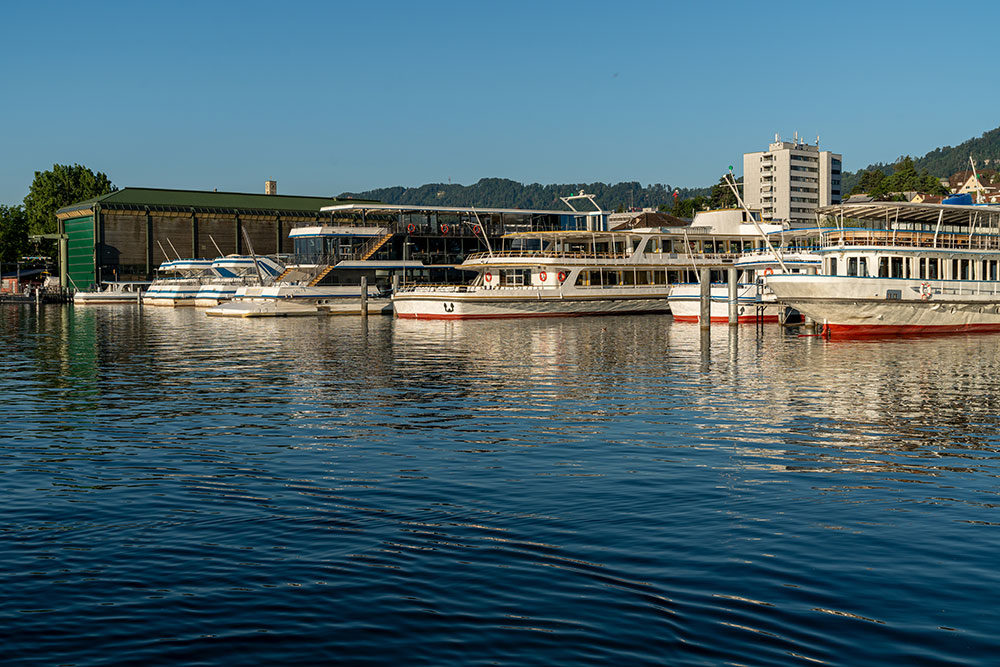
point(686, 208)
point(870, 181)
point(61, 186)
point(13, 233)
point(722, 196)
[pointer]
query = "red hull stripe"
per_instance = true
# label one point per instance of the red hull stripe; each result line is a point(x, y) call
point(856, 330)
point(514, 316)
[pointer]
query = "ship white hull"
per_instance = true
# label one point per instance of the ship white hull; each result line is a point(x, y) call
point(299, 301)
point(879, 306)
point(212, 295)
point(107, 297)
point(685, 304)
point(497, 304)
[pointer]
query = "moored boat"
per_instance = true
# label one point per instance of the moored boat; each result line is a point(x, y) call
point(178, 283)
point(288, 300)
point(572, 273)
point(231, 273)
point(112, 293)
point(902, 268)
point(790, 252)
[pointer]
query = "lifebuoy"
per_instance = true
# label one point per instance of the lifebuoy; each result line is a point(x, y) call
point(410, 228)
point(542, 276)
point(769, 271)
point(562, 276)
point(444, 229)
point(477, 230)
point(925, 291)
point(488, 277)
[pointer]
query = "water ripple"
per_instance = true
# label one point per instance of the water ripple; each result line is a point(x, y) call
point(180, 489)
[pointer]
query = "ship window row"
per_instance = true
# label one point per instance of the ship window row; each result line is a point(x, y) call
point(641, 278)
point(603, 278)
point(924, 268)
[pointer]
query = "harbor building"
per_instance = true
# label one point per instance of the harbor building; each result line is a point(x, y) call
point(126, 235)
point(790, 180)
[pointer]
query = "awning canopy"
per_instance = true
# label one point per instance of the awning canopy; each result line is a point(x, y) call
point(910, 212)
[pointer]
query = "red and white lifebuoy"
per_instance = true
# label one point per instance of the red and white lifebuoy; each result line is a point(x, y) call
point(542, 276)
point(410, 228)
point(444, 229)
point(477, 230)
point(488, 277)
point(769, 271)
point(562, 276)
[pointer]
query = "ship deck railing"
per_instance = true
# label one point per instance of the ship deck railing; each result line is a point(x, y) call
point(453, 288)
point(909, 239)
point(643, 258)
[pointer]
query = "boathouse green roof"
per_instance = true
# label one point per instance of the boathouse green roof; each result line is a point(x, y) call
point(201, 201)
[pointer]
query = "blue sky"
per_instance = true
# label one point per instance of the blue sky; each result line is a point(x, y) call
point(328, 97)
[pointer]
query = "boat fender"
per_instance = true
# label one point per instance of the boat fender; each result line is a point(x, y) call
point(562, 276)
point(542, 276)
point(444, 229)
point(769, 271)
point(488, 277)
point(410, 228)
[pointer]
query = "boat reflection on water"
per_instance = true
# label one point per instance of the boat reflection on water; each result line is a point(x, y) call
point(434, 490)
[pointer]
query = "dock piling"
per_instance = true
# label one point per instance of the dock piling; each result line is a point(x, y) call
point(364, 297)
point(705, 317)
point(734, 316)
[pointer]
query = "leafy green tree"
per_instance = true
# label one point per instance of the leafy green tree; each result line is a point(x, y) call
point(869, 182)
point(61, 186)
point(13, 233)
point(722, 196)
point(686, 208)
point(904, 177)
point(930, 184)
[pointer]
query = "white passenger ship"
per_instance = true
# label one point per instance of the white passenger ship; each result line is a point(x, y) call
point(790, 251)
point(572, 273)
point(900, 268)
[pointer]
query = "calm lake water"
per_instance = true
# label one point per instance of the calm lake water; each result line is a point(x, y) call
point(185, 490)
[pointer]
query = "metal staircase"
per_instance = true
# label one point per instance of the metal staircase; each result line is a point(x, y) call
point(376, 243)
point(322, 274)
point(284, 274)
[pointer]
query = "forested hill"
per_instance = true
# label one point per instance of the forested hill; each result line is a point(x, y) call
point(943, 162)
point(505, 193)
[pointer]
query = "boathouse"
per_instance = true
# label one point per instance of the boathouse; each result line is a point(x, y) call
point(126, 234)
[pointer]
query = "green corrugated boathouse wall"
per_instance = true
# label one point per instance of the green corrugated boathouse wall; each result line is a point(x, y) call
point(125, 235)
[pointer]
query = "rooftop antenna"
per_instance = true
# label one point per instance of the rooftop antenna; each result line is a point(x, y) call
point(731, 182)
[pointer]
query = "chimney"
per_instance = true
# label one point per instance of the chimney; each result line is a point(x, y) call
point(270, 187)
